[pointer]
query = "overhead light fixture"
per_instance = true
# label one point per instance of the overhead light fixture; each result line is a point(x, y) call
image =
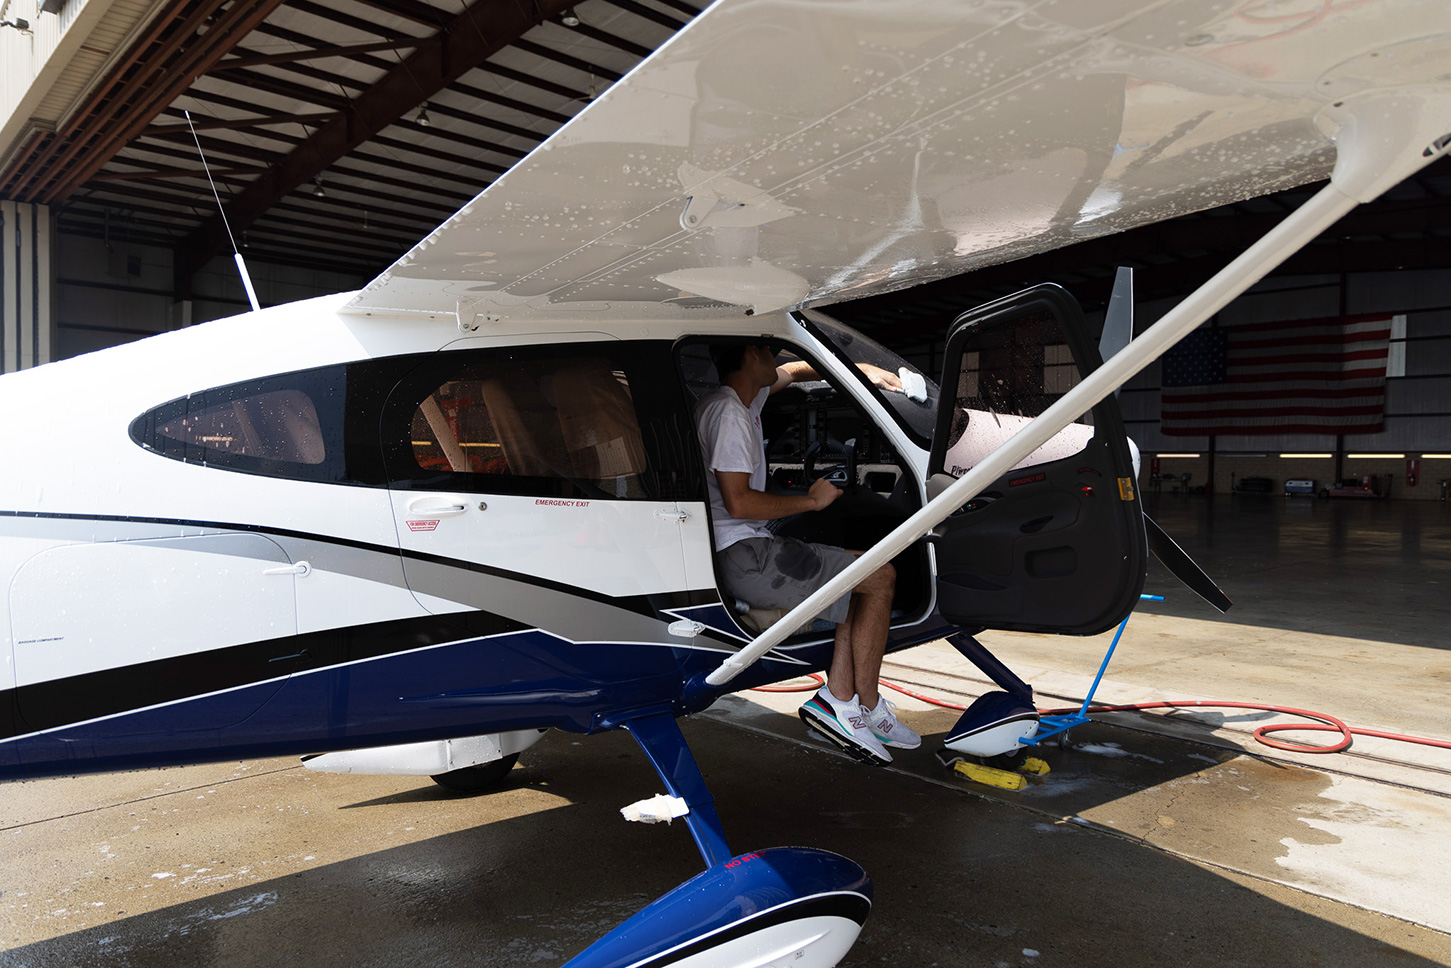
point(1177, 455)
point(317, 187)
point(423, 119)
point(1306, 456)
point(569, 18)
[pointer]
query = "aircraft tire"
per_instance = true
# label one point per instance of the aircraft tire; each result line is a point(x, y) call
point(477, 779)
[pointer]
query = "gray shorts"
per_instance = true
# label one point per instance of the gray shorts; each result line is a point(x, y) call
point(782, 572)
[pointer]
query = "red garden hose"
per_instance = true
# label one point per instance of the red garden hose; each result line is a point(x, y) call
point(1321, 721)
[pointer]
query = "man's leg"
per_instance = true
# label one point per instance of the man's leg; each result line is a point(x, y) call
point(861, 643)
point(838, 709)
point(861, 640)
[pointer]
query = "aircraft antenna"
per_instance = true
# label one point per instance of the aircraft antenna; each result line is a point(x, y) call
point(236, 253)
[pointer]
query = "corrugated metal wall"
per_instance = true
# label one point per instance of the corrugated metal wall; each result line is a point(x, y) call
point(26, 324)
point(1418, 404)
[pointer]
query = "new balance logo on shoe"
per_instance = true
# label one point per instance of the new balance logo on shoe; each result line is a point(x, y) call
point(846, 724)
point(888, 729)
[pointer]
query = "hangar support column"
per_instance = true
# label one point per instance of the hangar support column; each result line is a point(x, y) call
point(27, 319)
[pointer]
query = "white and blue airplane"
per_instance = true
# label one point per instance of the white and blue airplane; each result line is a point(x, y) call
point(409, 528)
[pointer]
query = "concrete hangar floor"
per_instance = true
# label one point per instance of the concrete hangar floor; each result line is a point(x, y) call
point(1156, 839)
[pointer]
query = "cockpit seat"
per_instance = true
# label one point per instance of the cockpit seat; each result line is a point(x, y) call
point(759, 619)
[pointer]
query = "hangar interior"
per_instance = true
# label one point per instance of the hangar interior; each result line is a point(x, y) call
point(337, 134)
point(340, 132)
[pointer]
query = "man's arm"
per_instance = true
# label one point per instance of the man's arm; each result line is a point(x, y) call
point(799, 370)
point(746, 504)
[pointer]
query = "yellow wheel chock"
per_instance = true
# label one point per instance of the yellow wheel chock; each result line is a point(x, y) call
point(1034, 766)
point(991, 776)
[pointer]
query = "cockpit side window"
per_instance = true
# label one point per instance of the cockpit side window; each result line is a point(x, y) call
point(915, 410)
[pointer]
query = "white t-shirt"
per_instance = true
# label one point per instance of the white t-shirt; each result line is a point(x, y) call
point(730, 436)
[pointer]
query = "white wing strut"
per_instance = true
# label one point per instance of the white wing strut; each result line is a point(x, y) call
point(1381, 137)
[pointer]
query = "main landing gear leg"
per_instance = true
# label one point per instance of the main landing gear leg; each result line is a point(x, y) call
point(777, 906)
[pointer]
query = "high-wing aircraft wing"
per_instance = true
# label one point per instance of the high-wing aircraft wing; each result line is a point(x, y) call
point(778, 154)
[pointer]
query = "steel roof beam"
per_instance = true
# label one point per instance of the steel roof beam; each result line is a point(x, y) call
point(165, 173)
point(400, 145)
point(508, 73)
point(650, 13)
point(300, 92)
point(136, 103)
point(343, 19)
point(240, 124)
point(251, 78)
point(419, 13)
point(483, 29)
point(681, 5)
point(559, 57)
point(605, 37)
point(352, 212)
point(248, 59)
point(457, 87)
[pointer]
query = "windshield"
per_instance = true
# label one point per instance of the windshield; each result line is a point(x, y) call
point(915, 409)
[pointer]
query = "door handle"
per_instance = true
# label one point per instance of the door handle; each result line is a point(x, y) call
point(424, 506)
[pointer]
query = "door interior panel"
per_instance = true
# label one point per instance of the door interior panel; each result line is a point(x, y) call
point(1056, 544)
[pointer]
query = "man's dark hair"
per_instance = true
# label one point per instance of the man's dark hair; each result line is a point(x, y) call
point(728, 357)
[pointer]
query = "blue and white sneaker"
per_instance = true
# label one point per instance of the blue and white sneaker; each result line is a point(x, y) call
point(845, 724)
point(888, 729)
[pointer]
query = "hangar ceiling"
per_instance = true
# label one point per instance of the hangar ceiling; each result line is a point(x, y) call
point(339, 132)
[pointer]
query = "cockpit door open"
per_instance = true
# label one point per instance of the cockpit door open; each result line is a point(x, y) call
point(1057, 544)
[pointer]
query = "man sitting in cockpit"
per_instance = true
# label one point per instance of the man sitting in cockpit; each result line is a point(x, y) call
point(769, 571)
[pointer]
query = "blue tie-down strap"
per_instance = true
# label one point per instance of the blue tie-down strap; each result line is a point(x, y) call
point(1059, 724)
point(783, 905)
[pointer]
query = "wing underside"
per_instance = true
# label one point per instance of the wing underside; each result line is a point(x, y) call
point(778, 153)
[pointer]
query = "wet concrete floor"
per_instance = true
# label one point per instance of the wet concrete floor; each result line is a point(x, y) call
point(1154, 840)
point(1136, 850)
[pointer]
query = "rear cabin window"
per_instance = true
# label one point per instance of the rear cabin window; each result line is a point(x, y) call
point(283, 426)
point(274, 425)
point(312, 425)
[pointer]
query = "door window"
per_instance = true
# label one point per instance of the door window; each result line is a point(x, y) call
point(553, 422)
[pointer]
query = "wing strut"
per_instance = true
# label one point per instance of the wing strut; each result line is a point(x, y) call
point(1381, 138)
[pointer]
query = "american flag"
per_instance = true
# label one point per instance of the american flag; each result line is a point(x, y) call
point(1310, 376)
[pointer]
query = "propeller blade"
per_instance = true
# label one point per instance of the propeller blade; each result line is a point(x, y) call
point(1118, 319)
point(1167, 550)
